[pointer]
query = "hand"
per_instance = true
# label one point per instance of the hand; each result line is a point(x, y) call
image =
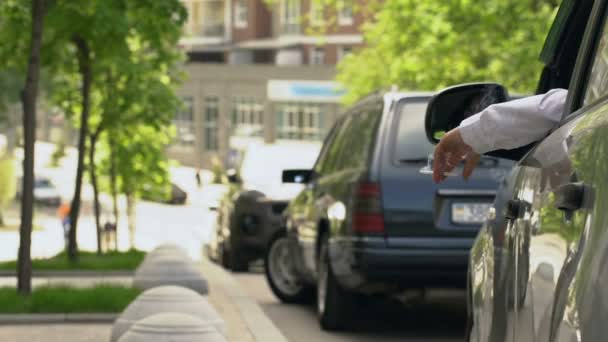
point(450, 151)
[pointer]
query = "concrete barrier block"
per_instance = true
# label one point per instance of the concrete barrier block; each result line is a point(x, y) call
point(167, 299)
point(172, 327)
point(170, 270)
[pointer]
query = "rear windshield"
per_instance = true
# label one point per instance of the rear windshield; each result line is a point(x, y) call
point(411, 143)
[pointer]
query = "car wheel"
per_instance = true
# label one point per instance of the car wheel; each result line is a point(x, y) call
point(335, 305)
point(281, 275)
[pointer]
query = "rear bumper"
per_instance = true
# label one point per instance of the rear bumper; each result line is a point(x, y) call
point(371, 266)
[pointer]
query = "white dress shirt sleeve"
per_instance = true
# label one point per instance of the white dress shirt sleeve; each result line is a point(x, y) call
point(515, 123)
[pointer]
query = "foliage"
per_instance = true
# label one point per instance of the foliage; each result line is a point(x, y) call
point(8, 180)
point(11, 82)
point(65, 299)
point(217, 168)
point(427, 45)
point(111, 261)
point(58, 154)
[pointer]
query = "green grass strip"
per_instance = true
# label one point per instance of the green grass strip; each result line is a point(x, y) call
point(110, 261)
point(65, 299)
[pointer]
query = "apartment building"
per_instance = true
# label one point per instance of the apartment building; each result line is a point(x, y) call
point(259, 71)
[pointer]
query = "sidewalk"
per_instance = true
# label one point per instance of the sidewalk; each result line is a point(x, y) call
point(245, 320)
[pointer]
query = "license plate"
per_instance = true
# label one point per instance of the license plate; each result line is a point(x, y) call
point(470, 213)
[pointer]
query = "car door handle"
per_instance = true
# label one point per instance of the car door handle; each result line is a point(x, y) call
point(573, 196)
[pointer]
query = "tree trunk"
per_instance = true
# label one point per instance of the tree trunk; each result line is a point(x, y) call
point(84, 64)
point(1, 219)
point(28, 98)
point(114, 186)
point(131, 218)
point(93, 173)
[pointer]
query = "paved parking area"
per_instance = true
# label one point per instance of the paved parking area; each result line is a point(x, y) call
point(441, 319)
point(56, 333)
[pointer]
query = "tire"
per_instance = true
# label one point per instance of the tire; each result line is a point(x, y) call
point(335, 305)
point(280, 274)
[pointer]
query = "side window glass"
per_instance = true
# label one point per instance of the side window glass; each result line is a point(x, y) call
point(335, 150)
point(597, 84)
point(329, 145)
point(358, 144)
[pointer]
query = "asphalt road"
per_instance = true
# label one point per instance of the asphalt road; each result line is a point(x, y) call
point(440, 318)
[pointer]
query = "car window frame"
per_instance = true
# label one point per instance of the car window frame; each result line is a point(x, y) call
point(584, 64)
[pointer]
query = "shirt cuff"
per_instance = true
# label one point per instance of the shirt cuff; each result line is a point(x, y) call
point(471, 133)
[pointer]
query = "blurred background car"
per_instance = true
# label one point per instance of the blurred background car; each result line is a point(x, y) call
point(45, 192)
point(249, 215)
point(370, 219)
point(175, 195)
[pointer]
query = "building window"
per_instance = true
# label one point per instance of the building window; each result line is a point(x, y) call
point(290, 16)
point(205, 18)
point(241, 14)
point(345, 14)
point(316, 14)
point(317, 56)
point(247, 117)
point(343, 51)
point(210, 126)
point(300, 121)
point(184, 123)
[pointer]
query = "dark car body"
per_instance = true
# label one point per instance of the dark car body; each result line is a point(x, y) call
point(539, 268)
point(173, 195)
point(250, 213)
point(388, 226)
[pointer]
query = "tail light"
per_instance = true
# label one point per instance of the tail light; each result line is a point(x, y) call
point(367, 214)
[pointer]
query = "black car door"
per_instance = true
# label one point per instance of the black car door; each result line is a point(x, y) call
point(560, 227)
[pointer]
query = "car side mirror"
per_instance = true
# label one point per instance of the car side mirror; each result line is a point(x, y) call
point(232, 176)
point(448, 108)
point(299, 176)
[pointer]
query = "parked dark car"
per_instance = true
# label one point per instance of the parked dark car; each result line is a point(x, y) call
point(174, 195)
point(370, 220)
point(250, 213)
point(539, 268)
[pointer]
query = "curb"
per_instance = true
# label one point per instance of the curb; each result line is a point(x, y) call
point(75, 274)
point(260, 326)
point(58, 318)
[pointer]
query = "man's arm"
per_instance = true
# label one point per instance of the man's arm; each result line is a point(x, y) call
point(501, 126)
point(515, 123)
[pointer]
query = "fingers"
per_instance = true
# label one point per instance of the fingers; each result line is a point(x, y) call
point(438, 163)
point(470, 164)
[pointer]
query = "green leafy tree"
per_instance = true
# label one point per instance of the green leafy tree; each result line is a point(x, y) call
point(141, 164)
point(21, 31)
point(104, 36)
point(426, 45)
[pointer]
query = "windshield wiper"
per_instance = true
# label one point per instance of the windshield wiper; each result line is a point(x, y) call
point(413, 160)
